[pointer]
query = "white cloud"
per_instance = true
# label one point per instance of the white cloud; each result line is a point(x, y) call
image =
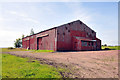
point(1, 19)
point(23, 16)
point(7, 38)
point(31, 20)
point(80, 12)
point(18, 14)
point(82, 16)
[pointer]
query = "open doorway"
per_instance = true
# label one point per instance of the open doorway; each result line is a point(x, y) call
point(75, 45)
point(39, 43)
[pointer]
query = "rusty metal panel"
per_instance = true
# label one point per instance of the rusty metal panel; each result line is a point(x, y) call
point(67, 36)
point(47, 40)
point(64, 37)
point(76, 43)
point(32, 42)
point(25, 42)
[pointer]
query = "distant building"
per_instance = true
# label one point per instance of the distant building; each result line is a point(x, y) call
point(71, 36)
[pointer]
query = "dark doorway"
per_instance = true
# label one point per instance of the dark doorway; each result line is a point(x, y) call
point(39, 44)
point(75, 46)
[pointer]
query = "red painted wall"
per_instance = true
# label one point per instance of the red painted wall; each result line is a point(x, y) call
point(46, 42)
point(67, 36)
point(32, 42)
point(98, 43)
point(25, 42)
point(64, 37)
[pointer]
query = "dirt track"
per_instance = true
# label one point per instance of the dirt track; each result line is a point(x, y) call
point(87, 64)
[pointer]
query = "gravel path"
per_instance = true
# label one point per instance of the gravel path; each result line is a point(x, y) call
point(84, 64)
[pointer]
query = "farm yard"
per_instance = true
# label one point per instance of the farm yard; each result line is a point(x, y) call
point(81, 64)
point(16, 67)
point(66, 39)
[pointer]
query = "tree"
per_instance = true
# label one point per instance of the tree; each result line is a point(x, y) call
point(32, 32)
point(18, 43)
point(23, 35)
point(105, 44)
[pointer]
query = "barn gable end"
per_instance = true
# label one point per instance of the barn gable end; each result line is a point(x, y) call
point(71, 36)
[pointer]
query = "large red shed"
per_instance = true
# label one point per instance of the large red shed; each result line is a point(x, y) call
point(71, 36)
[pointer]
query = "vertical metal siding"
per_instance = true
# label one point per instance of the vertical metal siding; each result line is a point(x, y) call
point(65, 37)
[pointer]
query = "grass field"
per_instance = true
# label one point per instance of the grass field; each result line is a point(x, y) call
point(36, 51)
point(21, 49)
point(111, 47)
point(17, 67)
point(15, 49)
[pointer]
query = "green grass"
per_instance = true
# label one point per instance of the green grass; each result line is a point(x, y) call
point(21, 49)
point(111, 47)
point(0, 65)
point(37, 51)
point(17, 67)
point(15, 49)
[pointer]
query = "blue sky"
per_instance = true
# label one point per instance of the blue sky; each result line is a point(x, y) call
point(17, 18)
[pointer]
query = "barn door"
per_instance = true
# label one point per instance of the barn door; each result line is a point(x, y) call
point(75, 45)
point(39, 43)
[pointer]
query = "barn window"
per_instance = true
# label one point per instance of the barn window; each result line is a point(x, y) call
point(69, 23)
point(92, 43)
point(84, 43)
point(89, 43)
point(68, 30)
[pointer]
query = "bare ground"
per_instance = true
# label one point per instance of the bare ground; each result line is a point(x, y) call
point(82, 64)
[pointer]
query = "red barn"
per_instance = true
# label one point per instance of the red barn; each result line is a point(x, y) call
point(71, 36)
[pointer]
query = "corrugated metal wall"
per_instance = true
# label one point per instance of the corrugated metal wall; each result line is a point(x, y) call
point(70, 35)
point(41, 42)
point(65, 37)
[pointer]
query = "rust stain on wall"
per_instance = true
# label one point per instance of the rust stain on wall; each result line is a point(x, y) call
point(71, 36)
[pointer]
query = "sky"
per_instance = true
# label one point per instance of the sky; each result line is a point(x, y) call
point(17, 18)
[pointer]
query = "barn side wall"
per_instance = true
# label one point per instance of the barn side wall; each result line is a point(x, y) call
point(98, 44)
point(67, 35)
point(25, 42)
point(47, 42)
point(63, 38)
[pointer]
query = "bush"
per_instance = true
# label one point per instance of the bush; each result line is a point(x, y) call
point(18, 43)
point(107, 49)
point(10, 48)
